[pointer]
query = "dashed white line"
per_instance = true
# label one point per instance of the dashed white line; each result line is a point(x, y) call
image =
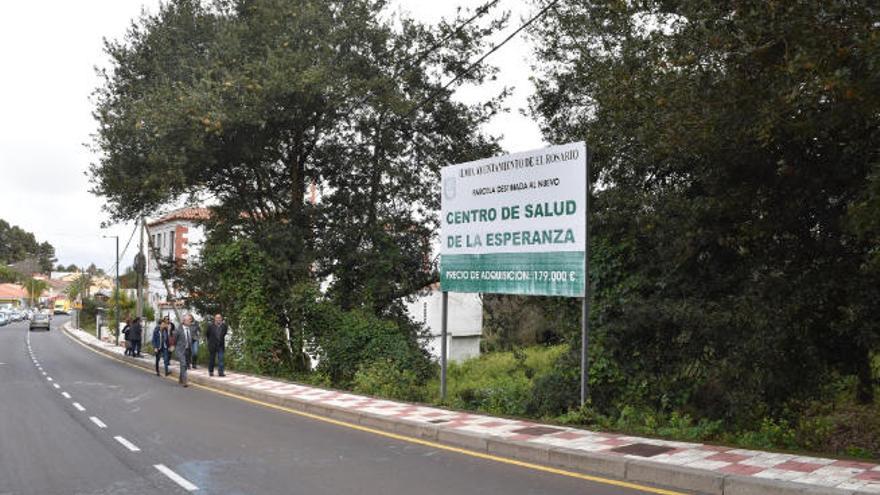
point(66, 395)
point(98, 422)
point(79, 406)
point(56, 385)
point(49, 378)
point(180, 480)
point(130, 446)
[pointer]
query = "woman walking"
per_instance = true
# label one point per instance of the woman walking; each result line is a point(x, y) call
point(125, 332)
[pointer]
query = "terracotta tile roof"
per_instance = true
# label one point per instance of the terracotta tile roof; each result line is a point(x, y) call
point(189, 213)
point(12, 291)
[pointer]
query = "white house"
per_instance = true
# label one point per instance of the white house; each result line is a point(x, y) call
point(177, 236)
point(464, 323)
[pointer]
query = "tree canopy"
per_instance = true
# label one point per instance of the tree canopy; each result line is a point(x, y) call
point(735, 163)
point(316, 128)
point(17, 244)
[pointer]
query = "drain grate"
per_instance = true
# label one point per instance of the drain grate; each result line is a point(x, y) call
point(642, 449)
point(537, 431)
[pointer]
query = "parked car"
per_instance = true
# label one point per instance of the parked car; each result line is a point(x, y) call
point(3, 319)
point(40, 320)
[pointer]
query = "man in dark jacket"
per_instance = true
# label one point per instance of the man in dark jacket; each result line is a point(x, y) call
point(216, 336)
point(161, 343)
point(134, 333)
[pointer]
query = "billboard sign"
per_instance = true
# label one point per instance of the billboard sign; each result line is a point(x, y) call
point(516, 224)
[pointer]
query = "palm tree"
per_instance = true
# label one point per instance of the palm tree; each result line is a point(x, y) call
point(80, 286)
point(35, 288)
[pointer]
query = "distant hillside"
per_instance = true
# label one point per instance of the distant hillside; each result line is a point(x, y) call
point(17, 244)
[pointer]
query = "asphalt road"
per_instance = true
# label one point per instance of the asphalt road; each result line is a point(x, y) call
point(191, 438)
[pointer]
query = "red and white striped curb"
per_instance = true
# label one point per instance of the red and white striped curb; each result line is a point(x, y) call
point(815, 471)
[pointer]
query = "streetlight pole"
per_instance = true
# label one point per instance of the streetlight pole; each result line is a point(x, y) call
point(117, 287)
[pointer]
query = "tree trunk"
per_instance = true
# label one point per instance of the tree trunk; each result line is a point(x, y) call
point(865, 389)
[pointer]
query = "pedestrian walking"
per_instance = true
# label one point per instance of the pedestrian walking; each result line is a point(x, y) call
point(125, 332)
point(162, 345)
point(184, 347)
point(196, 334)
point(135, 332)
point(216, 337)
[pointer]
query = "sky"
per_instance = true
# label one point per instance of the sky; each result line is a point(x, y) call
point(50, 51)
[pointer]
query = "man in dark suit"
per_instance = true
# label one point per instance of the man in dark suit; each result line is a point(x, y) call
point(184, 347)
point(216, 336)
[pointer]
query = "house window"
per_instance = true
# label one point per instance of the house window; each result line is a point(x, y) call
point(171, 244)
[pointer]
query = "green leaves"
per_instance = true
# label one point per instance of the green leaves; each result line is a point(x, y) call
point(253, 104)
point(735, 158)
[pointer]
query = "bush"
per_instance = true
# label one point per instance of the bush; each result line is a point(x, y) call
point(501, 382)
point(345, 341)
point(385, 378)
point(553, 393)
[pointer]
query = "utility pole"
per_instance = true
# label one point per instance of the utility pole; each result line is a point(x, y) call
point(117, 288)
point(140, 268)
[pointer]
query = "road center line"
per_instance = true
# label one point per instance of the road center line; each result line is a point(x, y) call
point(130, 446)
point(180, 480)
point(66, 395)
point(98, 422)
point(79, 406)
point(49, 378)
point(56, 385)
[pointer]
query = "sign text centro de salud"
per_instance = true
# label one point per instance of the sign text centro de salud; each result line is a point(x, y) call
point(516, 224)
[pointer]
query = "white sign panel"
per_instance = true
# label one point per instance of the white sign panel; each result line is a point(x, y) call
point(516, 224)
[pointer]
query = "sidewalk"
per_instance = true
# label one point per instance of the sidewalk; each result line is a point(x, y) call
point(687, 466)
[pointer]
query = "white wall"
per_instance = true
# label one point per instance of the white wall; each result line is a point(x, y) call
point(464, 322)
point(195, 237)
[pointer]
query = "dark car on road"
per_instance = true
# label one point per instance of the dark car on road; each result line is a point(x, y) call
point(40, 320)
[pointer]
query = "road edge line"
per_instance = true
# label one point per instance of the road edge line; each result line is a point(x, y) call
point(633, 472)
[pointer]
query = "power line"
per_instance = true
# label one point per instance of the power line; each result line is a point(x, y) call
point(461, 74)
point(478, 13)
point(398, 69)
point(121, 256)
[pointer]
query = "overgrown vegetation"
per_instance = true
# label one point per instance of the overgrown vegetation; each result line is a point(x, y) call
point(734, 250)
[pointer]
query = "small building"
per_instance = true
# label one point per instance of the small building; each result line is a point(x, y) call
point(464, 324)
point(12, 295)
point(176, 237)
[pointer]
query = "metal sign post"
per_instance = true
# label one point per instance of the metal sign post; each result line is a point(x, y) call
point(585, 308)
point(443, 350)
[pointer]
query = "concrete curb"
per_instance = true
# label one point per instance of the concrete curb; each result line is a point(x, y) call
point(590, 463)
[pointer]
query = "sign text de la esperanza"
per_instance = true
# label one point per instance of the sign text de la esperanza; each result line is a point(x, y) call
point(513, 212)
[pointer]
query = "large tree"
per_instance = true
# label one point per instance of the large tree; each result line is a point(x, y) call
point(733, 150)
point(256, 104)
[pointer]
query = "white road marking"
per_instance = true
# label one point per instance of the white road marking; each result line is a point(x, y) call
point(78, 406)
point(98, 422)
point(66, 395)
point(130, 446)
point(56, 385)
point(44, 373)
point(49, 378)
point(180, 480)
